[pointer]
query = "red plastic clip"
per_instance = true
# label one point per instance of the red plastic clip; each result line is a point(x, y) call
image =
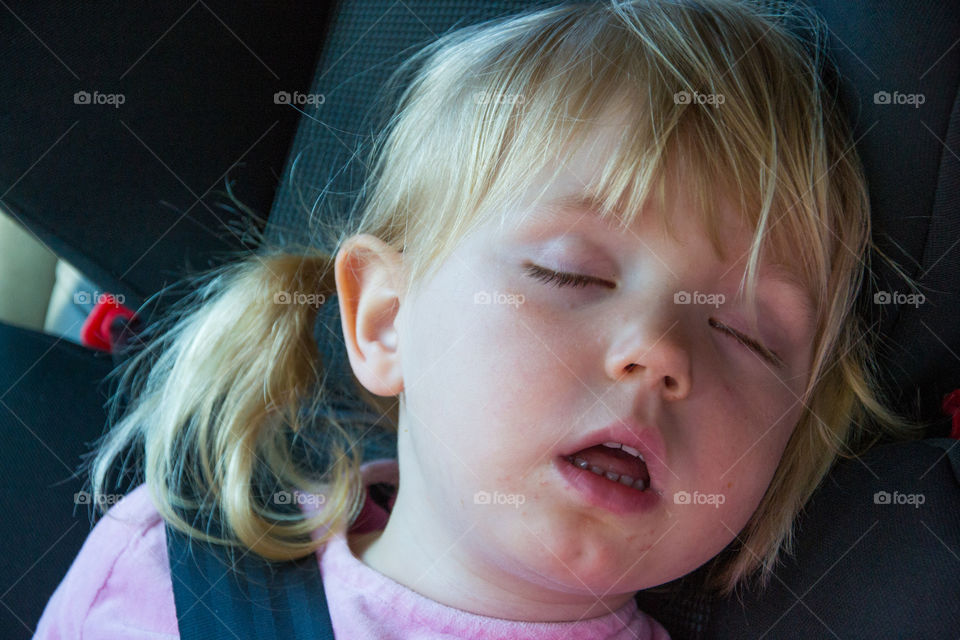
point(951, 407)
point(95, 332)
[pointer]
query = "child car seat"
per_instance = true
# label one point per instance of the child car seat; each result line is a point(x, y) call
point(854, 559)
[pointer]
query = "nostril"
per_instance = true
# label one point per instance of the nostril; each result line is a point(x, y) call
point(672, 385)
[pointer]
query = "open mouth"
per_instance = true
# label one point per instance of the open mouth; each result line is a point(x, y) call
point(611, 478)
point(614, 461)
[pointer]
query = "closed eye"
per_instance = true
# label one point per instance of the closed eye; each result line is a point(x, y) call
point(770, 356)
point(563, 279)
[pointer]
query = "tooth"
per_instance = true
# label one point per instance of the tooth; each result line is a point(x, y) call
point(612, 445)
point(632, 452)
point(627, 480)
point(580, 462)
point(639, 484)
point(612, 476)
point(596, 470)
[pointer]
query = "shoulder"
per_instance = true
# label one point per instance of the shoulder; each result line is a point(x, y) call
point(121, 566)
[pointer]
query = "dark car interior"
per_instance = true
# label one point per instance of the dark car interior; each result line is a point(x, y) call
point(136, 195)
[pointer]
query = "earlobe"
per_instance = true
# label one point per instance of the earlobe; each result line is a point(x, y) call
point(367, 272)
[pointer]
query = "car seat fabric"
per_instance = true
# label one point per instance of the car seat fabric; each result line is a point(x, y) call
point(51, 407)
point(875, 558)
point(912, 165)
point(133, 194)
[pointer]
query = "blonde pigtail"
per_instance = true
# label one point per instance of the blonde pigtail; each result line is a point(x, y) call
point(220, 397)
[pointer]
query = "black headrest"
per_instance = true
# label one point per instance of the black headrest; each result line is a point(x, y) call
point(122, 127)
point(901, 76)
point(883, 51)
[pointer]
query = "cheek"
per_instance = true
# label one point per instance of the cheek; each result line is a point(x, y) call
point(519, 377)
point(738, 447)
point(481, 377)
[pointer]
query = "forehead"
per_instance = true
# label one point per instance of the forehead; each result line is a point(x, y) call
point(579, 210)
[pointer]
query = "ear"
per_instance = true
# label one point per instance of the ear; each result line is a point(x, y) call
point(368, 273)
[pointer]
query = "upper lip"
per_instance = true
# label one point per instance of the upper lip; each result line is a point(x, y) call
point(644, 438)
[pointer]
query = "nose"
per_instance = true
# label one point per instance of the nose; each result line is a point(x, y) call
point(658, 357)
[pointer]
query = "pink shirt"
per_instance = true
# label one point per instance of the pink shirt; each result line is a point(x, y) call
point(119, 586)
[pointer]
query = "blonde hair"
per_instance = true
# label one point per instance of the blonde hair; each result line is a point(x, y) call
point(227, 398)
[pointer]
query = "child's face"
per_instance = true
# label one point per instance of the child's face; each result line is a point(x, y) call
point(503, 375)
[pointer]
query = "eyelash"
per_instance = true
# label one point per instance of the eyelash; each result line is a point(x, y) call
point(563, 279)
point(770, 356)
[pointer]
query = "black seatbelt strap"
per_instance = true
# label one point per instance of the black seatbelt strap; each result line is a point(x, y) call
point(262, 600)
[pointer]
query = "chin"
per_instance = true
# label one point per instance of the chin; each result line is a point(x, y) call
point(581, 561)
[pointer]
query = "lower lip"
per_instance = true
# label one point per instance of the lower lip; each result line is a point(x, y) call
point(604, 493)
